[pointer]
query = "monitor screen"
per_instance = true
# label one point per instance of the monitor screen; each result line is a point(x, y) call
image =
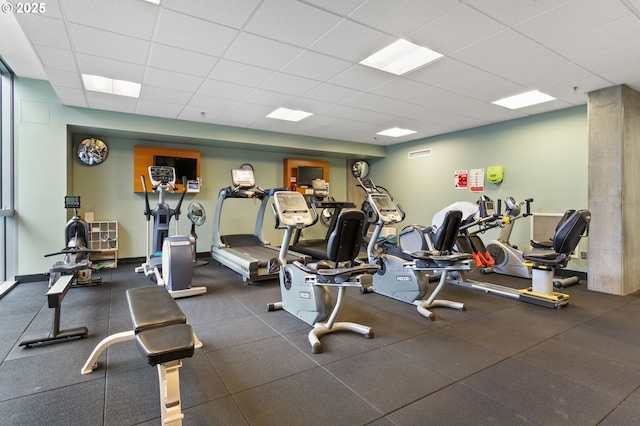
point(308, 173)
point(383, 203)
point(183, 166)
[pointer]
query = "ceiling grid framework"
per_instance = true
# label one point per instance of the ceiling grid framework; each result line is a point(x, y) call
point(238, 61)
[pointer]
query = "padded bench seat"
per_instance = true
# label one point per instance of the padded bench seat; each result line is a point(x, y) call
point(166, 344)
point(153, 307)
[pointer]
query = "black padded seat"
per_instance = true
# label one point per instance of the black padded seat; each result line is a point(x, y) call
point(565, 240)
point(167, 343)
point(153, 307)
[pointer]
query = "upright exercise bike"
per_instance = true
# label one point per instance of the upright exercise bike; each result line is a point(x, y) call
point(169, 260)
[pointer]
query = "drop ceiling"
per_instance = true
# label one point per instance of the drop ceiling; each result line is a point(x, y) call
point(232, 62)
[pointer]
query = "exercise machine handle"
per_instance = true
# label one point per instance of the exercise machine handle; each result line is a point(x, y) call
point(527, 203)
point(147, 208)
point(184, 190)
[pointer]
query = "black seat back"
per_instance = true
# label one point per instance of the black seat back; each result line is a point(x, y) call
point(345, 239)
point(570, 231)
point(445, 236)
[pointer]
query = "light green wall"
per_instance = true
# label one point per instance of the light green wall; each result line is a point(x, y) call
point(545, 157)
point(115, 200)
point(46, 170)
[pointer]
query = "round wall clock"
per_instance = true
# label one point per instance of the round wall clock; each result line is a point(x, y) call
point(92, 151)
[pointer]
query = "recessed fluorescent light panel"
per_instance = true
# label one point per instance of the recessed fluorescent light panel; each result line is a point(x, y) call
point(401, 57)
point(396, 132)
point(289, 114)
point(98, 83)
point(153, 1)
point(524, 100)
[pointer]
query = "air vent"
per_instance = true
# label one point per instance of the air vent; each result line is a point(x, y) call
point(421, 153)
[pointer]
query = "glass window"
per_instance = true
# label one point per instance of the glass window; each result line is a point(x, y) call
point(7, 223)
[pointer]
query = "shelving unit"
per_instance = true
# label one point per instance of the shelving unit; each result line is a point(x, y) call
point(103, 236)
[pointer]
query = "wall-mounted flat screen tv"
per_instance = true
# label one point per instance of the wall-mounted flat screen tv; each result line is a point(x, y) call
point(184, 166)
point(308, 173)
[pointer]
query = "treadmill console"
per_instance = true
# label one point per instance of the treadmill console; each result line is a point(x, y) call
point(292, 209)
point(162, 175)
point(243, 178)
point(385, 208)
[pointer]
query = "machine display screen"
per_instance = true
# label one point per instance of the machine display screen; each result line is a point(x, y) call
point(383, 203)
point(243, 178)
point(291, 203)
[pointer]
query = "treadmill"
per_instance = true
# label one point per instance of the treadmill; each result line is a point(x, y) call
point(329, 210)
point(249, 255)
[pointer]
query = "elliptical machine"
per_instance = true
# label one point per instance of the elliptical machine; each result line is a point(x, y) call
point(169, 259)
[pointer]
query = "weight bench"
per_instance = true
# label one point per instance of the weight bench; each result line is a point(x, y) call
point(55, 295)
point(163, 336)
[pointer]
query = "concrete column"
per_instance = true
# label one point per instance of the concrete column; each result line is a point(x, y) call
point(614, 193)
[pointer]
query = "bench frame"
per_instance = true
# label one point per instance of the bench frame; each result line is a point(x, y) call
point(55, 295)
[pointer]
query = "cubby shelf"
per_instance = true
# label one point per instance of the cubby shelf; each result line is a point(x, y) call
point(103, 235)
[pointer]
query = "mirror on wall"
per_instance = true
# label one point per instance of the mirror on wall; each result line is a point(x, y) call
point(360, 169)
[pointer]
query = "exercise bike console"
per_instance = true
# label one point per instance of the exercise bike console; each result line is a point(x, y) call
point(293, 210)
point(385, 208)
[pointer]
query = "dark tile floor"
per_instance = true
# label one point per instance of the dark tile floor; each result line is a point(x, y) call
point(499, 362)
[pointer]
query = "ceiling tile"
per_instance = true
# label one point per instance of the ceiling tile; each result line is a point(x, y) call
point(511, 13)
point(340, 7)
point(289, 84)
point(162, 78)
point(572, 18)
point(444, 36)
point(611, 36)
point(207, 103)
point(108, 102)
point(109, 45)
point(290, 21)
point(225, 90)
point(351, 41)
point(158, 109)
point(400, 18)
point(265, 97)
point(71, 97)
point(96, 65)
point(261, 52)
point(163, 94)
point(132, 18)
point(192, 113)
point(483, 86)
point(306, 64)
point(189, 33)
point(65, 79)
point(443, 100)
point(399, 88)
point(236, 60)
point(235, 72)
point(228, 13)
point(56, 59)
point(331, 93)
point(44, 31)
point(180, 60)
point(360, 77)
point(440, 72)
